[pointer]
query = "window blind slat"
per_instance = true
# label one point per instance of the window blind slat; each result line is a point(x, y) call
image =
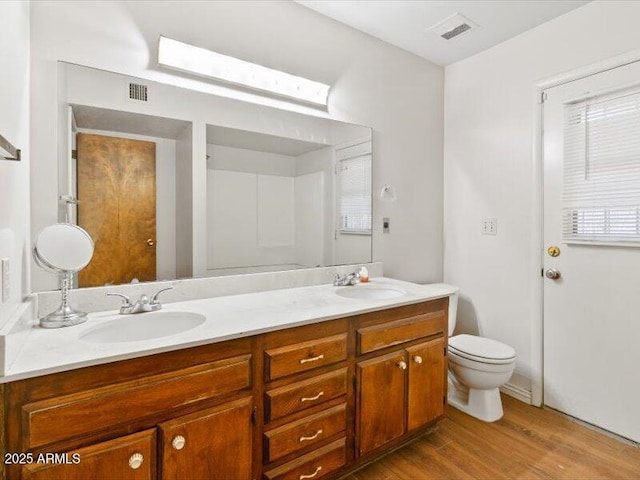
point(354, 194)
point(601, 171)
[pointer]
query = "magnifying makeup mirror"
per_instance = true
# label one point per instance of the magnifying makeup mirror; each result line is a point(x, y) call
point(64, 249)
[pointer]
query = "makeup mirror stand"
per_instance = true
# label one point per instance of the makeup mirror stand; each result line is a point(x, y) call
point(63, 249)
point(65, 315)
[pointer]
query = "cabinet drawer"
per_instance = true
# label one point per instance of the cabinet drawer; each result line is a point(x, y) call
point(308, 431)
point(314, 465)
point(68, 416)
point(300, 357)
point(128, 458)
point(307, 393)
point(388, 334)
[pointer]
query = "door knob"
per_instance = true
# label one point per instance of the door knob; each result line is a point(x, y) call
point(552, 273)
point(151, 242)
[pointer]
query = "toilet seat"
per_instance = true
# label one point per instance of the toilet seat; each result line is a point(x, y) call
point(481, 350)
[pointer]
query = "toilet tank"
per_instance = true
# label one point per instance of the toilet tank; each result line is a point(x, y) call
point(453, 312)
point(453, 304)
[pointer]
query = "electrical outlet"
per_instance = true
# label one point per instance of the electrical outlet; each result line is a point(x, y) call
point(5, 280)
point(386, 225)
point(490, 226)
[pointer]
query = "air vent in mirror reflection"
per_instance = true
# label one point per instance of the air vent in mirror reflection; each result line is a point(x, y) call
point(138, 92)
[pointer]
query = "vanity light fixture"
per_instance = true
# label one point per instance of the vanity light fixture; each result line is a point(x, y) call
point(206, 63)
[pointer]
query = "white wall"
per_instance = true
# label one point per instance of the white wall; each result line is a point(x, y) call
point(373, 83)
point(250, 161)
point(319, 161)
point(14, 126)
point(310, 226)
point(184, 204)
point(489, 131)
point(165, 199)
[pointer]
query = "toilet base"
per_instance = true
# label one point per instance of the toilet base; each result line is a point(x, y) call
point(485, 405)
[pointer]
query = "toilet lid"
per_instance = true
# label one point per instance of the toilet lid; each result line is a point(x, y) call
point(480, 348)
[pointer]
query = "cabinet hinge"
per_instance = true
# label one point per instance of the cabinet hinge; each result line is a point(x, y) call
point(254, 415)
point(445, 351)
point(444, 399)
point(355, 381)
point(543, 97)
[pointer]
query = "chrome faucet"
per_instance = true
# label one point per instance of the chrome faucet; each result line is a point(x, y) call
point(143, 304)
point(346, 280)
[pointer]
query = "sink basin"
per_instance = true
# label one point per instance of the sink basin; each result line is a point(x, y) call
point(370, 292)
point(143, 326)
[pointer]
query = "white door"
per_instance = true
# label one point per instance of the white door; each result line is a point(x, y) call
point(592, 213)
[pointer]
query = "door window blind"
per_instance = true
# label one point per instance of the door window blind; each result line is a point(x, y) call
point(354, 195)
point(601, 190)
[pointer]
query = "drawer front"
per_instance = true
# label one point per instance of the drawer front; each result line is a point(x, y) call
point(307, 393)
point(316, 464)
point(126, 458)
point(301, 357)
point(54, 419)
point(308, 431)
point(389, 334)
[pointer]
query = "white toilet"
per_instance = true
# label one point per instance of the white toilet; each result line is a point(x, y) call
point(478, 367)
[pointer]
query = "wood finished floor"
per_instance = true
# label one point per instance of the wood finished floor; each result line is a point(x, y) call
point(527, 443)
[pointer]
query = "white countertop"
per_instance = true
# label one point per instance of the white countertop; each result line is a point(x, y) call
point(45, 351)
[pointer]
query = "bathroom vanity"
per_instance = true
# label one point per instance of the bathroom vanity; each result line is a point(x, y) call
point(306, 398)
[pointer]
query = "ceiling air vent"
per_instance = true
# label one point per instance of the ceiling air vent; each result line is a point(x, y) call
point(138, 92)
point(452, 26)
point(456, 31)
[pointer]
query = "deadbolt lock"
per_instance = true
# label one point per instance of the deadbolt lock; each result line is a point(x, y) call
point(553, 251)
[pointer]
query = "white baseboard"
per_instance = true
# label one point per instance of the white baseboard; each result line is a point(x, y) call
point(516, 392)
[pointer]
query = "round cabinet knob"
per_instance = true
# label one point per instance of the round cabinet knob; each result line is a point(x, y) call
point(552, 273)
point(402, 365)
point(151, 242)
point(417, 359)
point(135, 460)
point(178, 442)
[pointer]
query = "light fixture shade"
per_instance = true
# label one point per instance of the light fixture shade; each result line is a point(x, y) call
point(388, 194)
point(200, 61)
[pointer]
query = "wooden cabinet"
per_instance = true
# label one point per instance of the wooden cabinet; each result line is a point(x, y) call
point(298, 396)
point(381, 401)
point(303, 356)
point(314, 401)
point(132, 457)
point(317, 464)
point(307, 409)
point(404, 390)
point(213, 444)
point(426, 383)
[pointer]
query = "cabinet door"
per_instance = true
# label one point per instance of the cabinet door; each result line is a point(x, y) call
point(426, 382)
point(381, 400)
point(214, 444)
point(127, 458)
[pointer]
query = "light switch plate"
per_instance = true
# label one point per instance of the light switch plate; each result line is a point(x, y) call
point(490, 226)
point(5, 280)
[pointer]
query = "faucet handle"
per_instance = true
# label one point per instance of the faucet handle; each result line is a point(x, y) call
point(154, 298)
point(126, 301)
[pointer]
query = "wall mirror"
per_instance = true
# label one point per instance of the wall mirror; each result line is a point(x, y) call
point(174, 183)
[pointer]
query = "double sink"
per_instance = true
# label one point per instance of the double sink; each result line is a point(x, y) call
point(152, 325)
